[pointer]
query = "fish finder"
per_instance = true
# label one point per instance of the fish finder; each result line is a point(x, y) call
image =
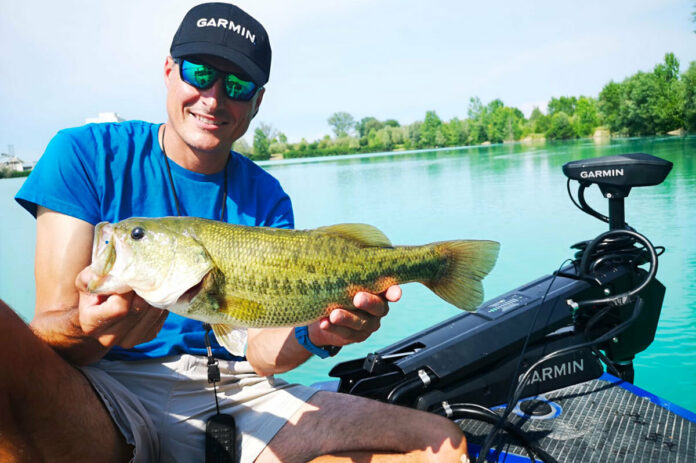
point(558, 330)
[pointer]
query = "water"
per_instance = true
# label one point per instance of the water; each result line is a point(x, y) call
point(515, 194)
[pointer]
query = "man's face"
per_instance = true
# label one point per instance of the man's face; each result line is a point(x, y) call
point(207, 120)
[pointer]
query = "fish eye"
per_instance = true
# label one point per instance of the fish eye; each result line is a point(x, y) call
point(137, 233)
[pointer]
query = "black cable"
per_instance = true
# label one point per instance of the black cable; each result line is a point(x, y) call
point(566, 350)
point(613, 301)
point(571, 196)
point(586, 207)
point(590, 323)
point(488, 442)
point(623, 298)
point(480, 413)
point(403, 389)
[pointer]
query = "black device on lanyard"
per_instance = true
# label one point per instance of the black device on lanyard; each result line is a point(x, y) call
point(220, 429)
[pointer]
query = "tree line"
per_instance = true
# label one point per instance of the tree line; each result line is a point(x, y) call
point(643, 104)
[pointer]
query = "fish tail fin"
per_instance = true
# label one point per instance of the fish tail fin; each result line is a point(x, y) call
point(231, 338)
point(469, 261)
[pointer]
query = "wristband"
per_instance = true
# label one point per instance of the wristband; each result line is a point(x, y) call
point(302, 335)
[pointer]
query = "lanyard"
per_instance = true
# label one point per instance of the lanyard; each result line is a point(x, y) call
point(220, 431)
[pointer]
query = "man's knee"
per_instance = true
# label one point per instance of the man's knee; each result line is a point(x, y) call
point(445, 438)
point(21, 351)
point(13, 332)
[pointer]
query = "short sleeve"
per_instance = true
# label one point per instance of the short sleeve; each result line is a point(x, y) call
point(64, 179)
point(280, 214)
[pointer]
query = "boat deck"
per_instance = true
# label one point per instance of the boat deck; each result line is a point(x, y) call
point(597, 421)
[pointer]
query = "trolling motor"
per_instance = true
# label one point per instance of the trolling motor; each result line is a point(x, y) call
point(548, 334)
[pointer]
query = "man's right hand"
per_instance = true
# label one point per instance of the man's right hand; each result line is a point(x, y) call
point(116, 319)
point(81, 327)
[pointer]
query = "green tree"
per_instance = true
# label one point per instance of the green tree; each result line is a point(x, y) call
point(564, 104)
point(241, 146)
point(476, 108)
point(341, 123)
point(454, 132)
point(396, 134)
point(366, 124)
point(640, 113)
point(379, 140)
point(669, 103)
point(689, 82)
point(504, 122)
point(432, 126)
point(478, 114)
point(645, 103)
point(609, 105)
point(561, 127)
point(586, 118)
point(325, 142)
point(384, 136)
point(538, 121)
point(413, 133)
point(262, 144)
point(277, 147)
point(669, 70)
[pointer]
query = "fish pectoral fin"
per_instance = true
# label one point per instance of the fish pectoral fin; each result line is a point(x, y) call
point(231, 338)
point(364, 234)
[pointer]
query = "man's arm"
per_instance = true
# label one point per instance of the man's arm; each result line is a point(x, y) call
point(275, 350)
point(81, 333)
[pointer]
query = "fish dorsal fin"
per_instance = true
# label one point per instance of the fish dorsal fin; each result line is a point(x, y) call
point(365, 235)
point(231, 338)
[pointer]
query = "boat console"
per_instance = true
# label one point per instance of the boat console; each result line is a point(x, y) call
point(556, 331)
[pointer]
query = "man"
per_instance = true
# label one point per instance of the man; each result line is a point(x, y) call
point(140, 387)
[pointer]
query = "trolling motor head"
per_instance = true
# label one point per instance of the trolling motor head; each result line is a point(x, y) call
point(615, 176)
point(640, 306)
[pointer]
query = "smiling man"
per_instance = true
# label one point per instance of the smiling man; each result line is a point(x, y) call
point(113, 379)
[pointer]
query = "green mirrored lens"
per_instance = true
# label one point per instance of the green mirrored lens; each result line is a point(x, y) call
point(198, 75)
point(239, 89)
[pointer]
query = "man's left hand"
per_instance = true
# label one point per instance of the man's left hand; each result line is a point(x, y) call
point(344, 327)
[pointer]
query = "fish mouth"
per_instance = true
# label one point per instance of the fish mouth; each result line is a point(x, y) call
point(183, 302)
point(103, 255)
point(192, 292)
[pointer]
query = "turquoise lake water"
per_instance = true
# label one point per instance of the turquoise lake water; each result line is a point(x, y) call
point(511, 193)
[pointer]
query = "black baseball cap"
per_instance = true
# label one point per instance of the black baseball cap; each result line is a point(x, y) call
point(226, 31)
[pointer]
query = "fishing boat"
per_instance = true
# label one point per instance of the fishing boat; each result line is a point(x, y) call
point(545, 372)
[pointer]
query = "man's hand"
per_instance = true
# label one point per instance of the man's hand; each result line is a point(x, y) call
point(344, 327)
point(116, 319)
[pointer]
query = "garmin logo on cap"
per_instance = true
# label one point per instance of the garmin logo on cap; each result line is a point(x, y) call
point(227, 24)
point(602, 173)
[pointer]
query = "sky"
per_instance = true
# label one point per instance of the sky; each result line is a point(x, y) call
point(65, 61)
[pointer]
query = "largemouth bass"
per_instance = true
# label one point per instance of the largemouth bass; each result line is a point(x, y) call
point(234, 276)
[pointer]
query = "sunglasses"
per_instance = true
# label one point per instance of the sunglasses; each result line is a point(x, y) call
point(203, 76)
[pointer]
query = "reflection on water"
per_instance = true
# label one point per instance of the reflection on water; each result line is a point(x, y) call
point(512, 193)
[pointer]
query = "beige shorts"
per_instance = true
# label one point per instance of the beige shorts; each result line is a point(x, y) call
point(161, 405)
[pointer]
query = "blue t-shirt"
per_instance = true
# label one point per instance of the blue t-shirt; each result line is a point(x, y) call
point(109, 172)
